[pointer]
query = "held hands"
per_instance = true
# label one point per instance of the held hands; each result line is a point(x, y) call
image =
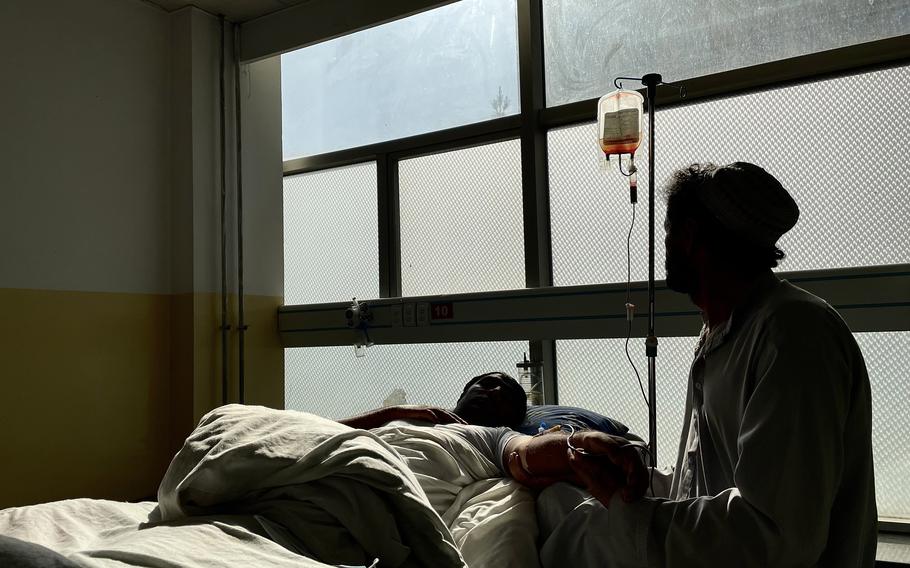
point(609, 464)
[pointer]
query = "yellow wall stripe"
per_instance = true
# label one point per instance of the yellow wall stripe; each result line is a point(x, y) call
point(99, 389)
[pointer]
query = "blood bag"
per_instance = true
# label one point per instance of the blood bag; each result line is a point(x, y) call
point(619, 122)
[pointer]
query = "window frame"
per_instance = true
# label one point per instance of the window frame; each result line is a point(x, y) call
point(531, 127)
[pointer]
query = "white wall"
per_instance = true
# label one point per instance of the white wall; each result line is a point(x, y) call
point(85, 256)
point(110, 245)
point(84, 149)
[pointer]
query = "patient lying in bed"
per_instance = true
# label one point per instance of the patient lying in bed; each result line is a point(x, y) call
point(491, 399)
point(259, 487)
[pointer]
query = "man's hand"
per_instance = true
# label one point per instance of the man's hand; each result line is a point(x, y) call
point(610, 464)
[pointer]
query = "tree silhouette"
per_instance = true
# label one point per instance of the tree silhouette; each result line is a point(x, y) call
point(500, 103)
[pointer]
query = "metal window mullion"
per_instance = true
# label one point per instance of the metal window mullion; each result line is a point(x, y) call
point(534, 182)
point(430, 142)
point(898, 526)
point(389, 226)
point(535, 176)
point(545, 351)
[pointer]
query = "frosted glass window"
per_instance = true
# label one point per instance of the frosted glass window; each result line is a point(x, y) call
point(447, 67)
point(331, 382)
point(590, 214)
point(887, 357)
point(462, 228)
point(892, 548)
point(595, 374)
point(331, 235)
point(587, 44)
point(844, 164)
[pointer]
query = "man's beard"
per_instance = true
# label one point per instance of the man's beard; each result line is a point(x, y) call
point(679, 275)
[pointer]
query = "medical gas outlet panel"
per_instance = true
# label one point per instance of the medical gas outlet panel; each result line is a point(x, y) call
point(576, 312)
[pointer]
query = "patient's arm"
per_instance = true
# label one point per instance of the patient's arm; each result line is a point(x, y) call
point(382, 416)
point(613, 464)
point(539, 461)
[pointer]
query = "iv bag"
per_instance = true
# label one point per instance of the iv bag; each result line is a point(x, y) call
point(619, 122)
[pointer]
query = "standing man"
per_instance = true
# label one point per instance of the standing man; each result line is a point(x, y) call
point(775, 461)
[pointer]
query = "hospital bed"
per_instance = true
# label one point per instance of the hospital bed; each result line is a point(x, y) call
point(260, 487)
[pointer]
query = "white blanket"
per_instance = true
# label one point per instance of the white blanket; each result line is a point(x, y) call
point(252, 486)
point(492, 519)
point(320, 488)
point(95, 533)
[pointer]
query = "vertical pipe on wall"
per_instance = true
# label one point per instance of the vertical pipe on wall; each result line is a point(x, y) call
point(241, 323)
point(224, 299)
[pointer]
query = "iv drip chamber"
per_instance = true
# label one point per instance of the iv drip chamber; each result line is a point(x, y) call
point(619, 116)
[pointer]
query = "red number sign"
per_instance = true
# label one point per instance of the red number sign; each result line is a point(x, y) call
point(442, 311)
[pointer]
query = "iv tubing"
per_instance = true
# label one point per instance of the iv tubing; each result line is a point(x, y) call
point(629, 303)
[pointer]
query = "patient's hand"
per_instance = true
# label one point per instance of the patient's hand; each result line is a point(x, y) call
point(611, 464)
point(539, 461)
point(522, 475)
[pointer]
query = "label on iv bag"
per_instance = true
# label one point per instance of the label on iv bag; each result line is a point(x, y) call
point(621, 126)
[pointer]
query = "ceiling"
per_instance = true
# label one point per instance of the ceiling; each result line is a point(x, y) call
point(233, 10)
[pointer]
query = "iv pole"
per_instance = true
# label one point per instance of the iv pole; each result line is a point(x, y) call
point(651, 81)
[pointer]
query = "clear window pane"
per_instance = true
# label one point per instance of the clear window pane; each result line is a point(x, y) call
point(844, 164)
point(331, 235)
point(447, 67)
point(887, 357)
point(587, 44)
point(461, 221)
point(332, 382)
point(595, 374)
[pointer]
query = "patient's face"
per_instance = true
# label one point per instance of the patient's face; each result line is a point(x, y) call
point(491, 401)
